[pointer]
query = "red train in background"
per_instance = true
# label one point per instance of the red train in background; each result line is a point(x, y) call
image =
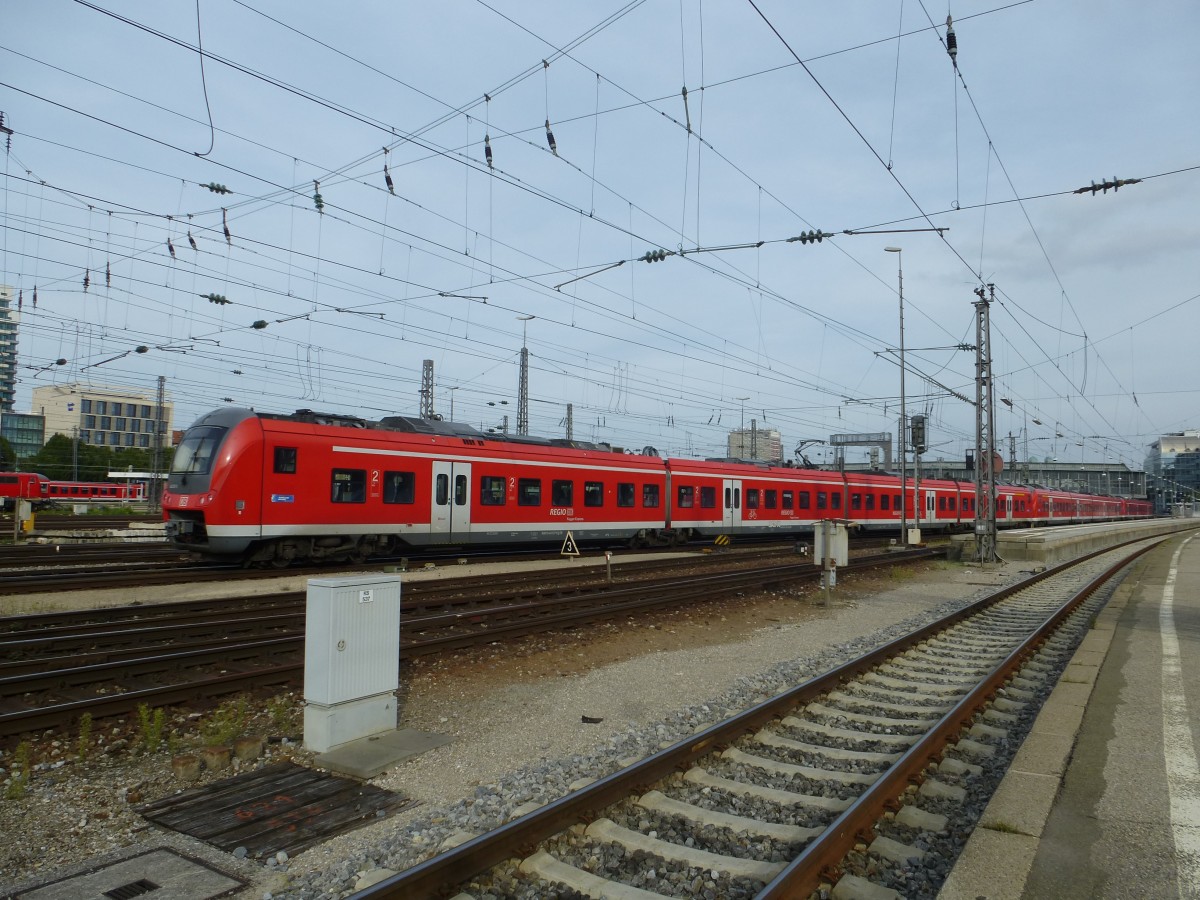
point(272, 489)
point(45, 492)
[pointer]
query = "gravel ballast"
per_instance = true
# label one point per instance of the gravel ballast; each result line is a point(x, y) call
point(515, 716)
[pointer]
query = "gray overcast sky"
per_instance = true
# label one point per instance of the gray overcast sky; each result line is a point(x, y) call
point(112, 144)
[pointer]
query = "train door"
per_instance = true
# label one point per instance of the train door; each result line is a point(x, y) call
point(1004, 507)
point(732, 506)
point(930, 513)
point(450, 514)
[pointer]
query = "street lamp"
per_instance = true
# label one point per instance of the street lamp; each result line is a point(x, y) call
point(452, 390)
point(903, 412)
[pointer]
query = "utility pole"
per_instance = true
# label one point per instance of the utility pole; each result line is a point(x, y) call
point(523, 385)
point(570, 421)
point(903, 411)
point(159, 428)
point(985, 429)
point(426, 393)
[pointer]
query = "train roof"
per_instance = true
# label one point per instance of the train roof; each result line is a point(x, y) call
point(230, 415)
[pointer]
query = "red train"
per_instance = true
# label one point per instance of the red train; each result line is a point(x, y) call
point(310, 486)
point(44, 492)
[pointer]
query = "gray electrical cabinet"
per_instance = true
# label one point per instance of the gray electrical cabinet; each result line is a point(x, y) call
point(351, 659)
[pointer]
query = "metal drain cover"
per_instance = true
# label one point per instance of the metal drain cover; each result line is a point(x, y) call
point(160, 874)
point(278, 807)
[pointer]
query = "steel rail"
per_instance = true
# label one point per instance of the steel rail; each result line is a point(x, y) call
point(518, 837)
point(821, 857)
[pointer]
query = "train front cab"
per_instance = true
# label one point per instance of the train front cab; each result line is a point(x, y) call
point(210, 501)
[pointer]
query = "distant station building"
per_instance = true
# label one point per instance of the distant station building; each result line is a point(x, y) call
point(1110, 479)
point(1173, 465)
point(103, 416)
point(754, 443)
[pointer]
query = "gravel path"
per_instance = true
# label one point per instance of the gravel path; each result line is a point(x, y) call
point(514, 716)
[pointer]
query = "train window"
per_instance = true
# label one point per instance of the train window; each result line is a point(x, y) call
point(728, 498)
point(885, 501)
point(491, 490)
point(8, 479)
point(197, 450)
point(941, 504)
point(788, 499)
point(593, 493)
point(686, 496)
point(805, 499)
point(285, 460)
point(398, 487)
point(770, 498)
point(625, 493)
point(823, 500)
point(752, 498)
point(650, 496)
point(835, 501)
point(869, 501)
point(856, 501)
point(529, 492)
point(950, 503)
point(708, 497)
point(737, 498)
point(562, 493)
point(442, 490)
point(895, 501)
point(460, 490)
point(349, 486)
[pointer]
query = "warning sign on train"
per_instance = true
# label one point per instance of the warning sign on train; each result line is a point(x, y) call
point(569, 547)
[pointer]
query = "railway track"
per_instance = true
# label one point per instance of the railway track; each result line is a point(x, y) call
point(850, 777)
point(141, 565)
point(31, 556)
point(58, 666)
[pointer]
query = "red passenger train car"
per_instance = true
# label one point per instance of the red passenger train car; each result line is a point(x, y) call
point(272, 489)
point(44, 491)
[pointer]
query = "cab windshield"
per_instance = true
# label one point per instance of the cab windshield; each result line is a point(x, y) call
point(197, 450)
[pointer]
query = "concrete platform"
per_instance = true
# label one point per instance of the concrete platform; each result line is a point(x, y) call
point(1053, 545)
point(1101, 800)
point(369, 756)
